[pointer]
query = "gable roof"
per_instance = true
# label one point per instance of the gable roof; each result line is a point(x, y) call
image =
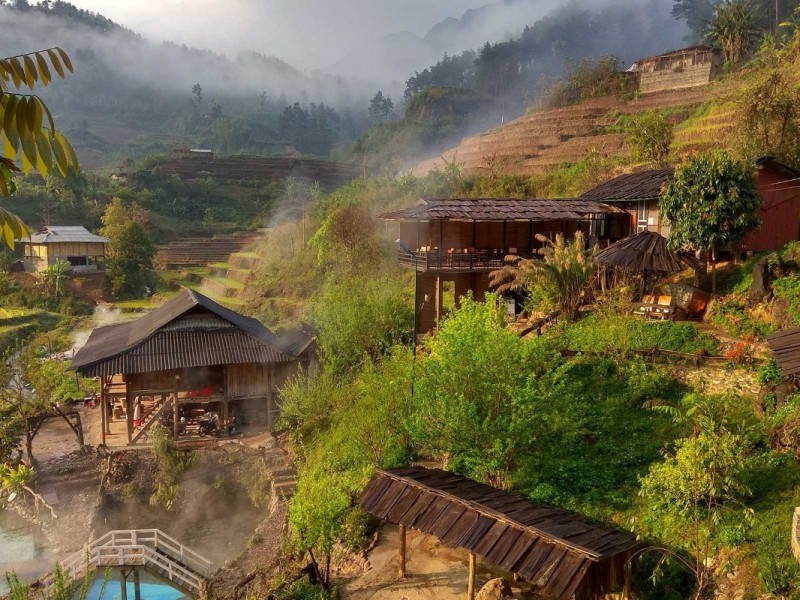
point(773, 164)
point(499, 209)
point(643, 185)
point(551, 547)
point(54, 234)
point(190, 330)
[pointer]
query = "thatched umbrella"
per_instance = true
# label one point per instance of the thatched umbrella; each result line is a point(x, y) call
point(645, 251)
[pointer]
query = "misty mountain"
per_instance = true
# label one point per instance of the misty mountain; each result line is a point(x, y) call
point(393, 58)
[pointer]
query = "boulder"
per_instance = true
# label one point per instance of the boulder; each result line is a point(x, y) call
point(761, 288)
point(495, 589)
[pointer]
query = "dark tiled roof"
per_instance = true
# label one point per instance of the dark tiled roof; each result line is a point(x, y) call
point(190, 330)
point(644, 185)
point(551, 547)
point(499, 209)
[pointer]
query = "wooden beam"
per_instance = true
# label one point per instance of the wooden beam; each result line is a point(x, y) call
point(471, 583)
point(402, 553)
point(137, 592)
point(128, 410)
point(626, 590)
point(103, 413)
point(123, 585)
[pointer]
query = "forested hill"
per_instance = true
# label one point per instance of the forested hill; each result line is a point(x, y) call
point(130, 97)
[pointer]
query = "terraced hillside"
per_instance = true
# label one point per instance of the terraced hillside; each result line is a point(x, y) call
point(199, 252)
point(543, 140)
point(330, 175)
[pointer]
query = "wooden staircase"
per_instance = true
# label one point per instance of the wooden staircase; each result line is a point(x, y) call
point(150, 549)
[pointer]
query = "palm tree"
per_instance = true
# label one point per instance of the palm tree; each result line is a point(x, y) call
point(54, 276)
point(560, 280)
point(733, 29)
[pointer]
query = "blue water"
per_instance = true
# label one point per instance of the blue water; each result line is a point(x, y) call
point(150, 591)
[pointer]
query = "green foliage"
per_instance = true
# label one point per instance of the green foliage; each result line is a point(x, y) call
point(559, 282)
point(733, 29)
point(130, 261)
point(23, 131)
point(649, 135)
point(711, 201)
point(788, 289)
point(54, 277)
point(622, 334)
point(689, 494)
point(770, 372)
point(361, 319)
point(171, 463)
point(768, 118)
point(470, 403)
point(588, 78)
point(302, 590)
point(365, 431)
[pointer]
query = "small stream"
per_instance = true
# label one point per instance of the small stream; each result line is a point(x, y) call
point(23, 550)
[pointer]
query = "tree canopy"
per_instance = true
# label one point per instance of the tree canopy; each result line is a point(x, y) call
point(27, 129)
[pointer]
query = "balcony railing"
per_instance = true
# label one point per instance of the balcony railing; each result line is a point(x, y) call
point(479, 260)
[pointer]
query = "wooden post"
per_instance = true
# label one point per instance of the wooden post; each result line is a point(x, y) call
point(471, 584)
point(103, 413)
point(402, 552)
point(128, 410)
point(137, 592)
point(123, 586)
point(626, 590)
point(175, 418)
point(439, 300)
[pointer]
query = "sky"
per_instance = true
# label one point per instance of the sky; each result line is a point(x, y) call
point(306, 33)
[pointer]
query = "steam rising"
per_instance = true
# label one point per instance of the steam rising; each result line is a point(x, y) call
point(104, 314)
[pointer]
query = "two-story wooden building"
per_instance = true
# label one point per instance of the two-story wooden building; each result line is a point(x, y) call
point(193, 353)
point(638, 194)
point(453, 244)
point(84, 251)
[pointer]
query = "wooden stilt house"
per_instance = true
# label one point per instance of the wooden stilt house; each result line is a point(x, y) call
point(191, 353)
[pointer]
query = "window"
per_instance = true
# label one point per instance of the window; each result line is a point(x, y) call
point(641, 216)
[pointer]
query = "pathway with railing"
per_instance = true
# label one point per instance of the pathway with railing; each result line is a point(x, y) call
point(150, 549)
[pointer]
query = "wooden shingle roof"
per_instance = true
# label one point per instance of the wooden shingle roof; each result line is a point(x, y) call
point(550, 547)
point(644, 185)
point(645, 251)
point(785, 346)
point(499, 209)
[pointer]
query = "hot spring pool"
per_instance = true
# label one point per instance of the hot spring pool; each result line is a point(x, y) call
point(151, 590)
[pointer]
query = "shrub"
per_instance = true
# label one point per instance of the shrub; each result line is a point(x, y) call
point(650, 137)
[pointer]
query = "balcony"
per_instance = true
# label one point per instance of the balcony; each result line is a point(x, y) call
point(457, 261)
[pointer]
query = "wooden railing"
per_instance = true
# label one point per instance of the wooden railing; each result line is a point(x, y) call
point(148, 548)
point(456, 261)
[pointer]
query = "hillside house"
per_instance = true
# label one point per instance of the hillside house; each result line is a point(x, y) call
point(679, 69)
point(83, 250)
point(638, 194)
point(192, 355)
point(453, 244)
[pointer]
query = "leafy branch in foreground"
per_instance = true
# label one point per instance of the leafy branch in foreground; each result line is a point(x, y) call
point(27, 131)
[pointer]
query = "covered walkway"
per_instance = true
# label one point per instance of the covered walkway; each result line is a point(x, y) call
point(563, 554)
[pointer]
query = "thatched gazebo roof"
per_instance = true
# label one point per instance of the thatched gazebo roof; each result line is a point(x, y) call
point(645, 251)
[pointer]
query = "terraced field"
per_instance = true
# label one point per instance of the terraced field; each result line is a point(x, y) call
point(330, 175)
point(544, 140)
point(199, 251)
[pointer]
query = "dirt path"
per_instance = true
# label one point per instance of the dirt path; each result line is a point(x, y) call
point(433, 571)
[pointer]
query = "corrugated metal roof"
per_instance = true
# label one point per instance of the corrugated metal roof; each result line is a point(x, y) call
point(680, 51)
point(644, 185)
point(550, 547)
point(500, 209)
point(190, 330)
point(55, 234)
